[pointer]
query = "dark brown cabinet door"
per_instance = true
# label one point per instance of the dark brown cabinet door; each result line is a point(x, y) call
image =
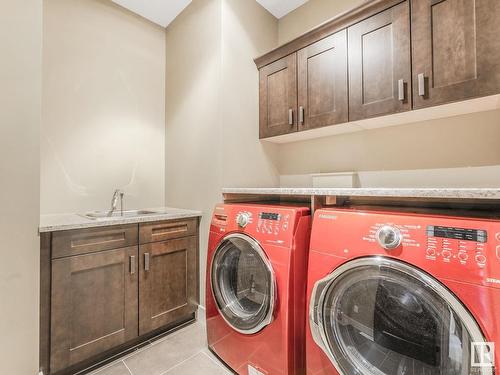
point(456, 50)
point(278, 97)
point(94, 305)
point(322, 82)
point(168, 282)
point(379, 64)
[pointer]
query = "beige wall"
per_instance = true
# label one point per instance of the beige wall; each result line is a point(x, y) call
point(212, 105)
point(103, 107)
point(310, 15)
point(193, 136)
point(458, 142)
point(463, 141)
point(248, 31)
point(20, 97)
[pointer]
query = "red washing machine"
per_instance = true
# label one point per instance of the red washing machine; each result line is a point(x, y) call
point(395, 293)
point(256, 289)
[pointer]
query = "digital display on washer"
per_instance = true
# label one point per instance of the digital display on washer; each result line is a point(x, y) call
point(462, 234)
point(269, 216)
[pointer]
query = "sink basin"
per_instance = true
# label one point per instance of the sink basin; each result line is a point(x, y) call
point(96, 215)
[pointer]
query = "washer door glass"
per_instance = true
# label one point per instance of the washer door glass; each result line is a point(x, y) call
point(243, 284)
point(386, 317)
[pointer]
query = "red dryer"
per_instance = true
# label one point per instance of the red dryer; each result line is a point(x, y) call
point(394, 293)
point(255, 297)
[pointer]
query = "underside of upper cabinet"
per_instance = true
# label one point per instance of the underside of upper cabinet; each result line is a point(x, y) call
point(383, 58)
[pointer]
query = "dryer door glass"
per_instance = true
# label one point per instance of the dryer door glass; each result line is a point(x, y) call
point(380, 316)
point(243, 284)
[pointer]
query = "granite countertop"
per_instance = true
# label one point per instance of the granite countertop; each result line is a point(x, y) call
point(59, 222)
point(444, 193)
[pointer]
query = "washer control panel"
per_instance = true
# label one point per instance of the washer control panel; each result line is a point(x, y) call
point(462, 234)
point(457, 244)
point(462, 249)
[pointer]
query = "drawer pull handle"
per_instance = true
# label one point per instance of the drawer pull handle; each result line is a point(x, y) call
point(146, 261)
point(421, 84)
point(301, 115)
point(97, 240)
point(401, 90)
point(221, 217)
point(132, 264)
point(172, 229)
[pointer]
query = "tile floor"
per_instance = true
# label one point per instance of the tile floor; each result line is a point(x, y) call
point(183, 352)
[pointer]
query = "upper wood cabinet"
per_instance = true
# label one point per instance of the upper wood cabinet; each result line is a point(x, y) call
point(322, 82)
point(456, 50)
point(94, 305)
point(278, 97)
point(379, 64)
point(402, 55)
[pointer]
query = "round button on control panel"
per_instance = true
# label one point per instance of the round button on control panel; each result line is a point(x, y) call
point(480, 259)
point(243, 219)
point(389, 237)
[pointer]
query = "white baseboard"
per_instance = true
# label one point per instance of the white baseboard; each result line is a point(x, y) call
point(201, 314)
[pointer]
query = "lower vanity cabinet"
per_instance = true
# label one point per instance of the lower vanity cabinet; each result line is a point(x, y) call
point(94, 305)
point(168, 282)
point(97, 300)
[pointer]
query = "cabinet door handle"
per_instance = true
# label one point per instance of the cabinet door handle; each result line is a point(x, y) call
point(290, 116)
point(132, 264)
point(301, 115)
point(401, 90)
point(146, 261)
point(421, 84)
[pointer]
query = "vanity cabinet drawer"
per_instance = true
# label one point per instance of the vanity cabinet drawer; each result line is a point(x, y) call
point(166, 230)
point(85, 241)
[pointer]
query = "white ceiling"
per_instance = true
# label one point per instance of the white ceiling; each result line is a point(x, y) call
point(280, 8)
point(162, 12)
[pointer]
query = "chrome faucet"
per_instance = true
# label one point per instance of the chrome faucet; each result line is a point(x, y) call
point(114, 201)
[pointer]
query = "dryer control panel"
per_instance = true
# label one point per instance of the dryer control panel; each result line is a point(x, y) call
point(461, 249)
point(272, 224)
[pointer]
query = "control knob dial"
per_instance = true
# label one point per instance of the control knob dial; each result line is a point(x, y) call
point(389, 237)
point(243, 219)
